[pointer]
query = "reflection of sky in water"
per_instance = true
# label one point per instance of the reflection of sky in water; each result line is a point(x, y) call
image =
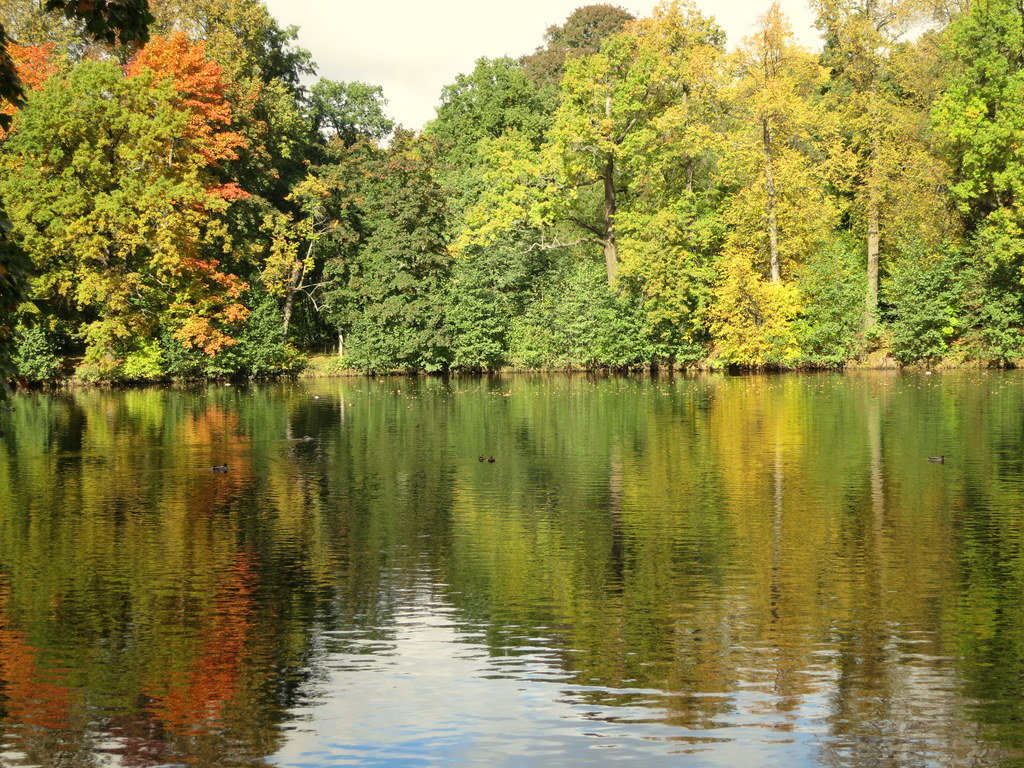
point(431, 695)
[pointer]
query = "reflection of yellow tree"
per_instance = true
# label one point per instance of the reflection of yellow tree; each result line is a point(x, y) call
point(764, 534)
point(782, 527)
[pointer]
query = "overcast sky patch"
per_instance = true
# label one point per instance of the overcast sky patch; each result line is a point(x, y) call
point(414, 48)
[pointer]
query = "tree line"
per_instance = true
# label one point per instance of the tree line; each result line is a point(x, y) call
point(189, 201)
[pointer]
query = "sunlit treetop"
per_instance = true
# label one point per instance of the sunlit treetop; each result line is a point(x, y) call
point(199, 82)
point(581, 34)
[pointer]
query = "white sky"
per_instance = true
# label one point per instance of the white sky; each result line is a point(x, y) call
point(415, 47)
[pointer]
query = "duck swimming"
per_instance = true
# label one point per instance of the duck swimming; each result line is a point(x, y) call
point(480, 458)
point(219, 468)
point(937, 459)
point(490, 460)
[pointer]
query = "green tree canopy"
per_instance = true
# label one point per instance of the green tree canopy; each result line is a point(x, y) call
point(111, 195)
point(348, 112)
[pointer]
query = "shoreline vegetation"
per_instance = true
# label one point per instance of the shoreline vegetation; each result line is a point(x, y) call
point(329, 366)
point(181, 199)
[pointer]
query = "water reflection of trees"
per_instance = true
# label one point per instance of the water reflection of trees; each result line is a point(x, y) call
point(781, 535)
point(759, 550)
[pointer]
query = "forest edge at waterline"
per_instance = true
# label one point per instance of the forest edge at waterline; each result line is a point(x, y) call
point(633, 194)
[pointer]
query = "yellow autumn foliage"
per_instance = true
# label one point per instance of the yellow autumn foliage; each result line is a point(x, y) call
point(752, 318)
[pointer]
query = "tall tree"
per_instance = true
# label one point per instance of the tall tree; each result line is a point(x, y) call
point(241, 36)
point(860, 36)
point(263, 67)
point(388, 291)
point(200, 93)
point(124, 22)
point(343, 115)
point(618, 108)
point(780, 213)
point(980, 117)
point(775, 147)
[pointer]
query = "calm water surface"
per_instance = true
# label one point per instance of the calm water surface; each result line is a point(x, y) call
point(759, 571)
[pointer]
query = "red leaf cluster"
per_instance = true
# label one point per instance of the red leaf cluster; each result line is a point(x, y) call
point(202, 90)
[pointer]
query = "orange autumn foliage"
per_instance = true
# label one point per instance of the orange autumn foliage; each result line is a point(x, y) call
point(203, 96)
point(34, 64)
point(202, 88)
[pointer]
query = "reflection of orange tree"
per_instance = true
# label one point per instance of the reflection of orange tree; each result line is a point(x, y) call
point(128, 536)
point(195, 701)
point(184, 708)
point(217, 431)
point(29, 700)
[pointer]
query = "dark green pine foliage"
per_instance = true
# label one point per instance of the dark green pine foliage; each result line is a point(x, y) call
point(396, 287)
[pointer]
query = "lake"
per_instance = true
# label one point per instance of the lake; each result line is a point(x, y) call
point(698, 571)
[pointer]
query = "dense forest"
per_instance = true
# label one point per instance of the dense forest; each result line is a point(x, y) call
point(183, 198)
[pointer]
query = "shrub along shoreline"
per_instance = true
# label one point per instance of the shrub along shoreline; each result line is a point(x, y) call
point(330, 366)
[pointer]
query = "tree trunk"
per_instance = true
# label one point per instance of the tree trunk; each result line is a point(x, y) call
point(873, 215)
point(611, 251)
point(871, 306)
point(298, 270)
point(341, 344)
point(293, 286)
point(773, 217)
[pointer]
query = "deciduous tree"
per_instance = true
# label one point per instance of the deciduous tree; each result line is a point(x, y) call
point(860, 36)
point(112, 198)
